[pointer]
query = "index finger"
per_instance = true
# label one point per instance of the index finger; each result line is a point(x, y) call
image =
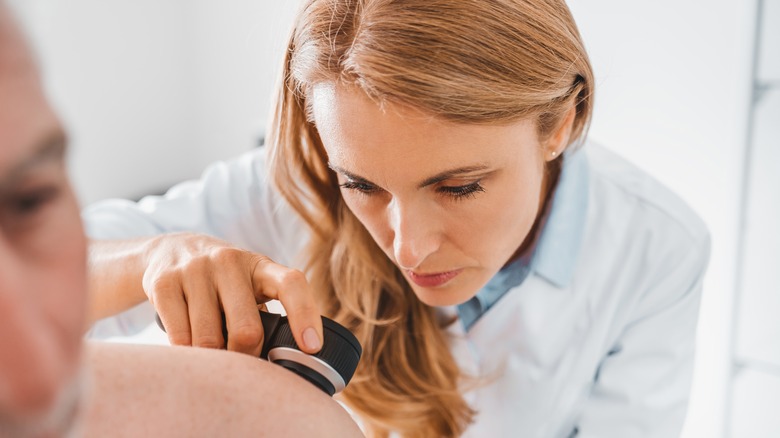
point(291, 288)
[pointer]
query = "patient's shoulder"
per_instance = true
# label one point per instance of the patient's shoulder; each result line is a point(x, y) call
point(186, 391)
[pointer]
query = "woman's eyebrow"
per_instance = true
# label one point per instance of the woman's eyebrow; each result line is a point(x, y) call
point(447, 174)
point(350, 175)
point(439, 177)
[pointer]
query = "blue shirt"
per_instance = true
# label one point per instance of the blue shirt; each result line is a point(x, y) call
point(555, 254)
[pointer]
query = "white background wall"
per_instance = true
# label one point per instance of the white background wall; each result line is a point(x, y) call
point(153, 90)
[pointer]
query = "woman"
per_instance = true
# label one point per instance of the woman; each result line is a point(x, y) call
point(424, 170)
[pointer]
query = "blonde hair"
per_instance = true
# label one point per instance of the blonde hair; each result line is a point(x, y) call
point(466, 61)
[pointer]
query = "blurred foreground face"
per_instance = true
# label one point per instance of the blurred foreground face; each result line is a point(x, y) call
point(42, 254)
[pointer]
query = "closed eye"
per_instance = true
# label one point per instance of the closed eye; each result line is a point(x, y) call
point(455, 192)
point(462, 192)
point(359, 186)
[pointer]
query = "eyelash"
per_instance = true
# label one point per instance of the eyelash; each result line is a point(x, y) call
point(360, 187)
point(454, 192)
point(463, 192)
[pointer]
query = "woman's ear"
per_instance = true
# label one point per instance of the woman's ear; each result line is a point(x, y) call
point(560, 138)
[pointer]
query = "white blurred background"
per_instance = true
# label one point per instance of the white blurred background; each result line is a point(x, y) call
point(154, 90)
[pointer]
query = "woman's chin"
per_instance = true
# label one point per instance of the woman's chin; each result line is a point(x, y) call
point(442, 296)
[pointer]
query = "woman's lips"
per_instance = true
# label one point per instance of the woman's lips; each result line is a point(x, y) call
point(433, 280)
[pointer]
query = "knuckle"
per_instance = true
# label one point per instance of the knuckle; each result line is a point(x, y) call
point(163, 282)
point(226, 255)
point(292, 277)
point(180, 338)
point(246, 336)
point(208, 341)
point(258, 262)
point(161, 287)
point(261, 260)
point(196, 266)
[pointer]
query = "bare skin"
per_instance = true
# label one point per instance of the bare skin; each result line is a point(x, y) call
point(47, 388)
point(190, 279)
point(204, 392)
point(42, 252)
point(462, 227)
point(448, 203)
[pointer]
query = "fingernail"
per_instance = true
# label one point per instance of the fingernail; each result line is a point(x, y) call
point(310, 339)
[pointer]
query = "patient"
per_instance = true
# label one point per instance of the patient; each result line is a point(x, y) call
point(51, 385)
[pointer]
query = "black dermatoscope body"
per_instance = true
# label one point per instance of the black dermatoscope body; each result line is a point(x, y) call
point(330, 369)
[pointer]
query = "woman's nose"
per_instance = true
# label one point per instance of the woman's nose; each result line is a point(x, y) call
point(415, 236)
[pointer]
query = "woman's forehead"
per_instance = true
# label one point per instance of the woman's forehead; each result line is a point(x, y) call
point(347, 118)
point(390, 144)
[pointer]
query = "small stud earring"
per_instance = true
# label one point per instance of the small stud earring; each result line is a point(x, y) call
point(554, 154)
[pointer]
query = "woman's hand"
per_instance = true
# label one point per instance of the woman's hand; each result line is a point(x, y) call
point(192, 279)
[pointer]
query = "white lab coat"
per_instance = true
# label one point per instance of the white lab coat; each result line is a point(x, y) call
point(608, 353)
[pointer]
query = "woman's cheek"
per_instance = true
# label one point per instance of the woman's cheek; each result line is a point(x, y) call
point(373, 217)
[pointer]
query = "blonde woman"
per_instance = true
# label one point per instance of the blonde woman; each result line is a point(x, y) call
point(428, 184)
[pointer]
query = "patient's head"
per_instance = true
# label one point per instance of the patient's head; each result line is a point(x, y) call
point(42, 252)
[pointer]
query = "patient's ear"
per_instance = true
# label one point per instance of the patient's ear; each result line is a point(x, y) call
point(561, 136)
